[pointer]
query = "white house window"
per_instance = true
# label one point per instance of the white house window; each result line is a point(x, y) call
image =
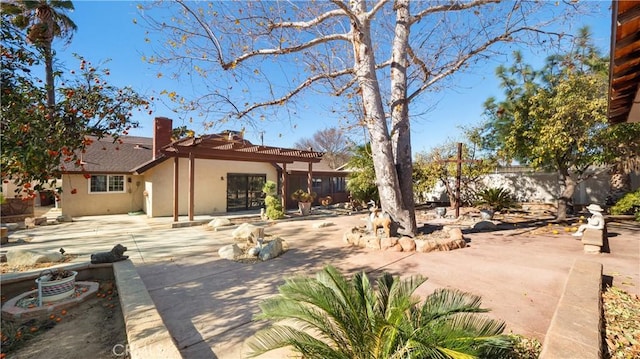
point(106, 184)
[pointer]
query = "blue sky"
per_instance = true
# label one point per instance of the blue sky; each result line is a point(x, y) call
point(106, 30)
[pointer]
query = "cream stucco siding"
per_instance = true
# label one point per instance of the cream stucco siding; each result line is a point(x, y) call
point(210, 190)
point(84, 203)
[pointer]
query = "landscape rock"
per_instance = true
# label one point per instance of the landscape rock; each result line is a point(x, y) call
point(18, 257)
point(40, 221)
point(29, 222)
point(253, 251)
point(219, 222)
point(396, 248)
point(245, 231)
point(353, 236)
point(230, 251)
point(271, 250)
point(484, 226)
point(407, 244)
point(455, 234)
point(386, 243)
point(12, 226)
point(373, 242)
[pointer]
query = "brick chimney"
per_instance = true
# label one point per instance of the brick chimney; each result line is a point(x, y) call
point(162, 128)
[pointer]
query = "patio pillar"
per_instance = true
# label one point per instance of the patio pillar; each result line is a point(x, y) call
point(175, 188)
point(283, 190)
point(191, 184)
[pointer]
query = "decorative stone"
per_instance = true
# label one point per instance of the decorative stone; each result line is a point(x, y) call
point(455, 234)
point(230, 251)
point(396, 248)
point(12, 226)
point(484, 226)
point(253, 251)
point(29, 222)
point(17, 257)
point(271, 250)
point(352, 236)
point(219, 222)
point(373, 242)
point(244, 231)
point(322, 224)
point(386, 243)
point(41, 221)
point(407, 244)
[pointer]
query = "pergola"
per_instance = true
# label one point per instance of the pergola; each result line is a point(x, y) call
point(232, 148)
point(624, 78)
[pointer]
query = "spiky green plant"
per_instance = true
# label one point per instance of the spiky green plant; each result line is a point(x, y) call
point(495, 198)
point(330, 316)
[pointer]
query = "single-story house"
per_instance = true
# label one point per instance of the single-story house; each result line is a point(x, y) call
point(204, 175)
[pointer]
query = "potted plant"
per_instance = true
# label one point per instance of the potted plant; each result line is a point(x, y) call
point(304, 199)
point(55, 285)
point(491, 200)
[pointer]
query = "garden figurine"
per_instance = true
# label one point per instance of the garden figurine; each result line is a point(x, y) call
point(596, 221)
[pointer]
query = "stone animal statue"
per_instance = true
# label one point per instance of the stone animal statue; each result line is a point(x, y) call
point(116, 254)
point(379, 219)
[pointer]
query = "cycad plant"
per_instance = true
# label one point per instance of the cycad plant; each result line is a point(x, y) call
point(495, 199)
point(330, 316)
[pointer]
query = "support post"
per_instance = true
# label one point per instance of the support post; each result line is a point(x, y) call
point(176, 166)
point(191, 184)
point(283, 189)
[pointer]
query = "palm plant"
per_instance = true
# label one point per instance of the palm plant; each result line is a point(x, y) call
point(44, 20)
point(331, 317)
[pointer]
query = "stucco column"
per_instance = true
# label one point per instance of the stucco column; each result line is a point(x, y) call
point(309, 178)
point(176, 166)
point(192, 164)
point(283, 190)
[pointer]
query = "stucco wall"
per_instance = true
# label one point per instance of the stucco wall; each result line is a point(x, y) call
point(210, 185)
point(542, 187)
point(83, 203)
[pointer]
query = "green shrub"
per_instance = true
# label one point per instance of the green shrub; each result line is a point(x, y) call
point(495, 198)
point(272, 201)
point(629, 204)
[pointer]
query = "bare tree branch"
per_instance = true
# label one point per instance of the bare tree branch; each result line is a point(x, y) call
point(376, 8)
point(449, 7)
point(308, 82)
point(310, 23)
point(286, 50)
point(212, 37)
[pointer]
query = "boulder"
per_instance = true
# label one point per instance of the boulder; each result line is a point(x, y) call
point(407, 244)
point(271, 250)
point(455, 234)
point(396, 248)
point(231, 251)
point(219, 222)
point(386, 243)
point(484, 226)
point(372, 242)
point(352, 236)
point(29, 222)
point(17, 257)
point(245, 232)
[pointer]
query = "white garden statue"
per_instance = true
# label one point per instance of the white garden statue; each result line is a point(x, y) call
point(596, 221)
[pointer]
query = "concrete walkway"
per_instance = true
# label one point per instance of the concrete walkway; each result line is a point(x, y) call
point(207, 303)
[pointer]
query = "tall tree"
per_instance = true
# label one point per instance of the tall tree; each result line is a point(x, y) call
point(36, 144)
point(333, 142)
point(385, 52)
point(44, 20)
point(553, 118)
point(435, 167)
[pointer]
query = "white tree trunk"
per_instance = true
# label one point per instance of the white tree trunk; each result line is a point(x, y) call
point(400, 125)
point(375, 121)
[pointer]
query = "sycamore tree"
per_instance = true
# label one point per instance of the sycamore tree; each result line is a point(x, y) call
point(435, 166)
point(334, 142)
point(250, 56)
point(553, 118)
point(39, 142)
